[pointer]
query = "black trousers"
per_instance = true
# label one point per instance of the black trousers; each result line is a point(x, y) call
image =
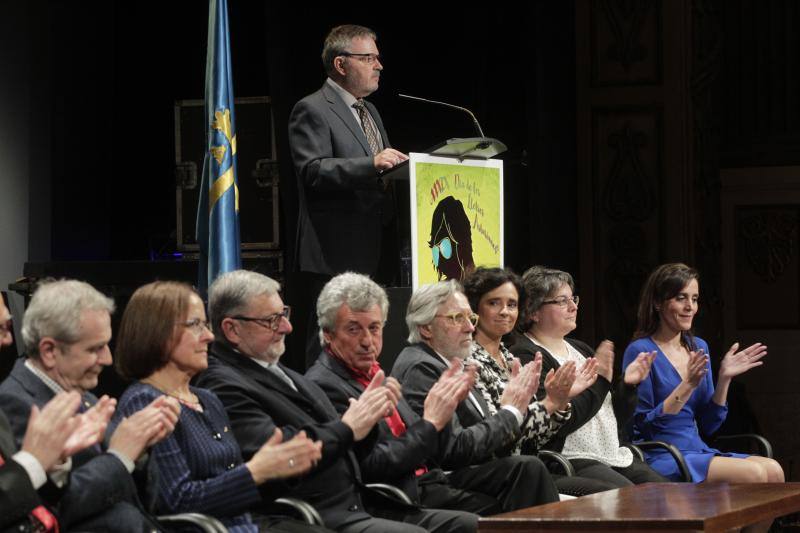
point(580, 485)
point(440, 494)
point(515, 482)
point(282, 524)
point(638, 472)
point(403, 520)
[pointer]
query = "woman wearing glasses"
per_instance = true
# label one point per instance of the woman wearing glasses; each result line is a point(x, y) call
point(162, 343)
point(495, 294)
point(678, 396)
point(590, 438)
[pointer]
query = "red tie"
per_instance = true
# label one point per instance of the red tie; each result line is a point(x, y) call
point(40, 515)
point(395, 423)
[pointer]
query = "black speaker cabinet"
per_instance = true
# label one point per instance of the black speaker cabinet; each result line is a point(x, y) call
point(257, 172)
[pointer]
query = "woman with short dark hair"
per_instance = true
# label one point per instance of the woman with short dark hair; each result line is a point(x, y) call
point(162, 343)
point(496, 295)
point(590, 438)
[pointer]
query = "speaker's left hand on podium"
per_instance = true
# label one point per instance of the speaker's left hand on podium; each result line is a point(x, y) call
point(388, 158)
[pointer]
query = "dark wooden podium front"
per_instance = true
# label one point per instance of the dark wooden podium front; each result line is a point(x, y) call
point(657, 507)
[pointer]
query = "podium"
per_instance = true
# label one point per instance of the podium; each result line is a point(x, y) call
point(466, 148)
point(456, 200)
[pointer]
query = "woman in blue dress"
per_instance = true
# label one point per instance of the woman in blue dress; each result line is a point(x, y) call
point(678, 397)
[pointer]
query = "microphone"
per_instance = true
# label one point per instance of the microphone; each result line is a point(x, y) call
point(445, 104)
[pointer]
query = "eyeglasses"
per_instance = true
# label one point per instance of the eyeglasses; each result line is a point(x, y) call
point(562, 301)
point(196, 325)
point(369, 59)
point(461, 319)
point(444, 248)
point(271, 322)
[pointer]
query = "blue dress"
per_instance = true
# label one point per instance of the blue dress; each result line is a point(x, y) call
point(200, 464)
point(679, 429)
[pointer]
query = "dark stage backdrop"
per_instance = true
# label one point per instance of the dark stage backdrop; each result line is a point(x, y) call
point(638, 133)
point(109, 73)
point(114, 69)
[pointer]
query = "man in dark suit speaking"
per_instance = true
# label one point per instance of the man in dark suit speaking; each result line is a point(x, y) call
point(340, 148)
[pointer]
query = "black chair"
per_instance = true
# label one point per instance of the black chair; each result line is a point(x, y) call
point(391, 491)
point(677, 456)
point(742, 443)
point(308, 514)
point(303, 510)
point(207, 524)
point(556, 463)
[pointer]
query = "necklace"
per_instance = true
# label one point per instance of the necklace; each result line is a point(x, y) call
point(186, 398)
point(554, 353)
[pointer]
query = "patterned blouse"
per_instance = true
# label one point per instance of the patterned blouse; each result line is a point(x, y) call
point(539, 425)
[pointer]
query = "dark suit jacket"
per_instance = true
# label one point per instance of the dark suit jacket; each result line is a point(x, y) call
point(98, 481)
point(474, 439)
point(587, 403)
point(391, 459)
point(257, 401)
point(341, 198)
point(17, 495)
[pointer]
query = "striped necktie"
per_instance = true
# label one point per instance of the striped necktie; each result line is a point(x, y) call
point(368, 127)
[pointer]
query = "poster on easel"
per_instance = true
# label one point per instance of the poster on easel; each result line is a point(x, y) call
point(456, 217)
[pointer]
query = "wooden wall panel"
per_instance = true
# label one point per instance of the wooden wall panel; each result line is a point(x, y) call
point(633, 154)
point(766, 266)
point(761, 295)
point(627, 173)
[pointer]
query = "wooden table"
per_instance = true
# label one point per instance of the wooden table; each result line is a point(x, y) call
point(657, 507)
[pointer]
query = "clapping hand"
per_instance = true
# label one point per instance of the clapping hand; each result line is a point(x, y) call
point(522, 385)
point(145, 427)
point(585, 377)
point(91, 427)
point(696, 367)
point(445, 395)
point(50, 427)
point(277, 459)
point(639, 368)
point(376, 402)
point(605, 359)
point(557, 385)
point(738, 362)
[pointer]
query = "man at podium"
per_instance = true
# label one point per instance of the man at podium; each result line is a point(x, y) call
point(340, 149)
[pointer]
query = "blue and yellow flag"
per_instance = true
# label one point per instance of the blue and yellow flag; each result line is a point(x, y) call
point(218, 209)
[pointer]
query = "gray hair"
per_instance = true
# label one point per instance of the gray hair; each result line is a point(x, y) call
point(339, 40)
point(358, 291)
point(56, 310)
point(425, 303)
point(233, 291)
point(541, 282)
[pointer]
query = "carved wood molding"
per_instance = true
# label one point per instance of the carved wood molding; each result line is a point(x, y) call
point(769, 237)
point(626, 36)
